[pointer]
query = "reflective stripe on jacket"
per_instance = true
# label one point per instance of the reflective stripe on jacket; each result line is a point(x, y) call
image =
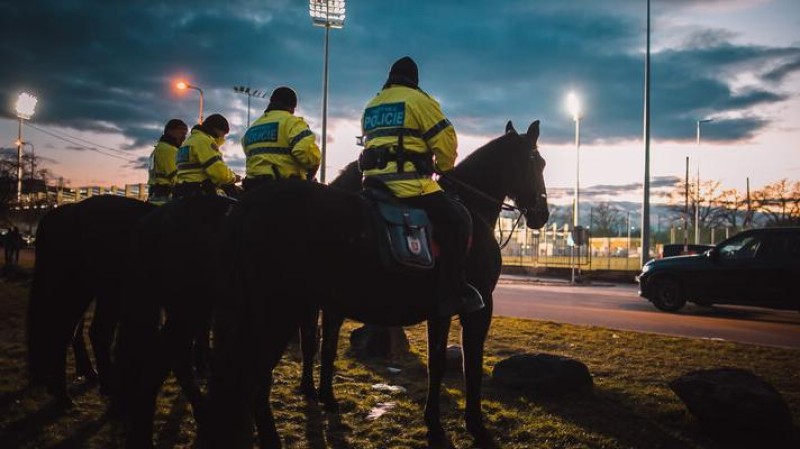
point(411, 112)
point(280, 142)
point(199, 159)
point(161, 167)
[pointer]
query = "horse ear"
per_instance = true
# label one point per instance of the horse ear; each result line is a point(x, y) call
point(510, 128)
point(533, 133)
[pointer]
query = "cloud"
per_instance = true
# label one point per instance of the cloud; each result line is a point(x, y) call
point(109, 68)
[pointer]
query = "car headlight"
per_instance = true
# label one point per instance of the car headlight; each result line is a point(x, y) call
point(646, 268)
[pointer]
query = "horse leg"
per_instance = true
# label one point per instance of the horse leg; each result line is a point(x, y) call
point(331, 327)
point(309, 345)
point(83, 366)
point(143, 401)
point(182, 367)
point(202, 349)
point(101, 334)
point(274, 343)
point(474, 328)
point(438, 329)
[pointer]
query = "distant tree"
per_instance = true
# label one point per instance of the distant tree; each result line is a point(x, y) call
point(779, 202)
point(8, 176)
point(730, 209)
point(606, 220)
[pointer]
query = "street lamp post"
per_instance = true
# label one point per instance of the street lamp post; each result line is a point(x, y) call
point(181, 85)
point(250, 93)
point(574, 106)
point(645, 256)
point(697, 193)
point(26, 107)
point(328, 14)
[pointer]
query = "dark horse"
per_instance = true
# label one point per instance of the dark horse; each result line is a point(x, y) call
point(274, 233)
point(81, 255)
point(178, 254)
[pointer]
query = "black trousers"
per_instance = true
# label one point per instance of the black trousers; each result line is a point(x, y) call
point(452, 227)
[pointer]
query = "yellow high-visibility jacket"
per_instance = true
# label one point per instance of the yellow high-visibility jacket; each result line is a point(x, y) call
point(199, 159)
point(280, 145)
point(161, 167)
point(400, 109)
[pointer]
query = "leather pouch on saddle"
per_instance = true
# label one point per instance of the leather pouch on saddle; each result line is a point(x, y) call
point(403, 234)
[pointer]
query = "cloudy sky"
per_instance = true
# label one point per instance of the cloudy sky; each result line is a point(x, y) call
point(104, 74)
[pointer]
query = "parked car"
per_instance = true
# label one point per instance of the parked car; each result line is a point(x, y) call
point(757, 267)
point(678, 249)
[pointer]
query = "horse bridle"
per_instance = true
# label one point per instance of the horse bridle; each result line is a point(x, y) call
point(503, 205)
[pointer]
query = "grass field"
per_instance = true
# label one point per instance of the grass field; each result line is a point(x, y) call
point(630, 407)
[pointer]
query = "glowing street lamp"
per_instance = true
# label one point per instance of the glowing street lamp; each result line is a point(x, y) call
point(697, 193)
point(250, 93)
point(181, 85)
point(574, 106)
point(328, 14)
point(26, 107)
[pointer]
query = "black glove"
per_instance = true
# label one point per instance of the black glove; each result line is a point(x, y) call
point(450, 188)
point(232, 190)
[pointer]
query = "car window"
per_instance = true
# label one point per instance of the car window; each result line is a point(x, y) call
point(741, 247)
point(786, 245)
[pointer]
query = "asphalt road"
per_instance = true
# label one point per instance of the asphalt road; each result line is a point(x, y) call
point(618, 306)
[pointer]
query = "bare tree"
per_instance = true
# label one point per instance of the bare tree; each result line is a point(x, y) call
point(779, 202)
point(605, 220)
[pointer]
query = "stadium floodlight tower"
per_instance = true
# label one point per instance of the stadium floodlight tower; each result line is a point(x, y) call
point(328, 14)
point(26, 107)
point(247, 90)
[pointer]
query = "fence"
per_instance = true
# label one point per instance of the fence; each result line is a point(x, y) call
point(56, 196)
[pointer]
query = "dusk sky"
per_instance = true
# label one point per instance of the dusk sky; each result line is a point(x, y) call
point(104, 74)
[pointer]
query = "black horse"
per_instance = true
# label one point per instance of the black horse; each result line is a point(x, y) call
point(179, 259)
point(273, 234)
point(81, 255)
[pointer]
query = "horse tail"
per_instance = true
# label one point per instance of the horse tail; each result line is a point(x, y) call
point(48, 332)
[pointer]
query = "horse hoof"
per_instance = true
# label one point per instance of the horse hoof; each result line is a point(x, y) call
point(88, 378)
point(437, 438)
point(483, 438)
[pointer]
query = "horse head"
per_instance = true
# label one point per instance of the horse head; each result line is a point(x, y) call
point(527, 187)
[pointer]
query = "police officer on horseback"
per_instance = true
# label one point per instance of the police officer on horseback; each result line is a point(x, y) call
point(407, 138)
point(279, 145)
point(201, 169)
point(161, 166)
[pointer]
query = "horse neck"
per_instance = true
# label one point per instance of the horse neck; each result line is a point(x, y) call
point(486, 178)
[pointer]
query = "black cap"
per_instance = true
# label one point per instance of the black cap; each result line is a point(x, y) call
point(284, 96)
point(404, 71)
point(216, 121)
point(175, 124)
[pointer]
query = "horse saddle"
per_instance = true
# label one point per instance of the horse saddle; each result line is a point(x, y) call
point(403, 233)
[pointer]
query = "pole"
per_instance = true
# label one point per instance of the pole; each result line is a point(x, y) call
point(200, 121)
point(748, 218)
point(324, 108)
point(646, 201)
point(697, 209)
point(576, 211)
point(19, 162)
point(686, 210)
point(248, 109)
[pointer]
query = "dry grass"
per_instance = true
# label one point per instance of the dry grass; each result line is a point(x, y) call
point(631, 407)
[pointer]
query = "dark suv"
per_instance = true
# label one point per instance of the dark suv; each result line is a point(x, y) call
point(757, 267)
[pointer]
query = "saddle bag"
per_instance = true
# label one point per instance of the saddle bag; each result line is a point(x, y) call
point(404, 235)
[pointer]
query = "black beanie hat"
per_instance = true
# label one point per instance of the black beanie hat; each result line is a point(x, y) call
point(216, 121)
point(175, 124)
point(404, 71)
point(284, 96)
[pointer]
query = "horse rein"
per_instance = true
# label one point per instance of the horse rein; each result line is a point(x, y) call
point(503, 205)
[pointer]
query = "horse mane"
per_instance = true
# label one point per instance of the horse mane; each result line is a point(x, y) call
point(349, 178)
point(486, 159)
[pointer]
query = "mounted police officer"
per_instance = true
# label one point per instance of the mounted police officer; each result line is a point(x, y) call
point(406, 139)
point(279, 145)
point(161, 166)
point(201, 169)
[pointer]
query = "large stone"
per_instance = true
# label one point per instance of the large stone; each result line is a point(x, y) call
point(731, 402)
point(370, 341)
point(542, 374)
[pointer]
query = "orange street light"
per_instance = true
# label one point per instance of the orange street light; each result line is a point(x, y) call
point(181, 85)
